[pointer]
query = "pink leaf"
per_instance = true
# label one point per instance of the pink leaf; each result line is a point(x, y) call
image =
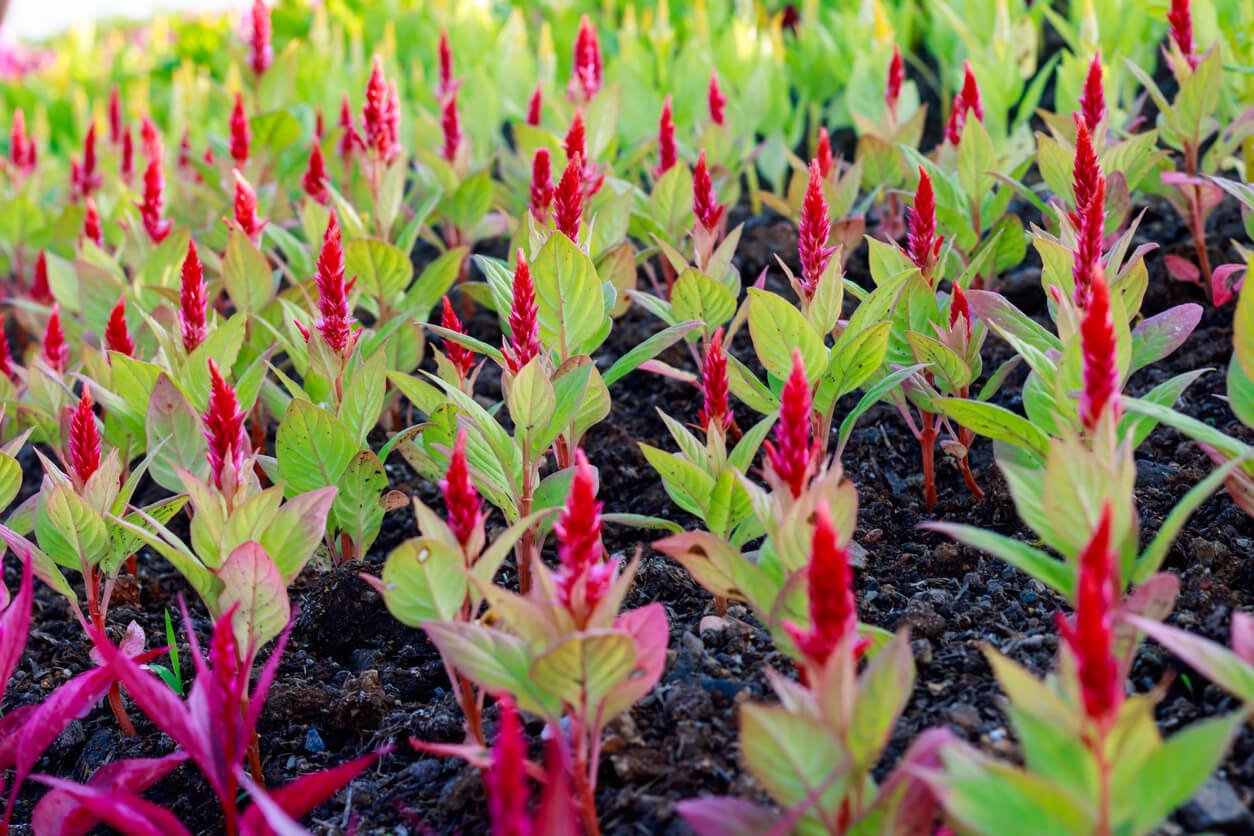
point(15, 625)
point(726, 817)
point(909, 803)
point(52, 716)
point(1182, 270)
point(60, 813)
point(1161, 334)
point(132, 644)
point(123, 811)
point(649, 628)
point(254, 583)
point(1243, 636)
point(557, 811)
point(10, 725)
point(300, 797)
point(1223, 285)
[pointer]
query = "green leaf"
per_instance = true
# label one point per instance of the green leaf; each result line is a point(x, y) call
point(670, 201)
point(292, 535)
point(252, 581)
point(493, 660)
point(424, 580)
point(381, 269)
point(531, 403)
point(246, 274)
point(312, 447)
point(1055, 574)
point(687, 485)
point(777, 329)
point(357, 509)
point(472, 199)
point(583, 669)
point(647, 350)
point(995, 422)
point(175, 434)
point(697, 296)
point(10, 479)
point(569, 298)
point(883, 691)
point(787, 757)
point(434, 282)
point(363, 398)
point(856, 357)
point(944, 361)
point(68, 530)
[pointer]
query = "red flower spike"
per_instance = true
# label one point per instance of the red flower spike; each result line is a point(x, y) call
point(150, 209)
point(336, 320)
point(667, 155)
point(350, 140)
point(791, 456)
point(84, 445)
point(393, 123)
point(40, 291)
point(126, 167)
point(246, 208)
point(714, 409)
point(374, 113)
point(958, 307)
point(1097, 339)
point(524, 324)
point(240, 135)
point(568, 199)
point(1091, 634)
point(1180, 16)
point(91, 224)
point(319, 126)
point(823, 153)
point(922, 244)
point(193, 301)
point(704, 202)
point(450, 123)
point(461, 500)
point(462, 358)
point(315, 179)
point(224, 430)
point(582, 578)
point(21, 146)
point(966, 102)
point(6, 356)
point(262, 51)
point(149, 139)
point(535, 106)
point(896, 77)
point(1093, 101)
point(505, 781)
point(813, 231)
point(90, 179)
point(833, 608)
point(716, 102)
point(541, 185)
point(55, 351)
point(117, 335)
point(1088, 249)
point(115, 116)
point(587, 77)
point(575, 143)
point(446, 66)
point(1085, 171)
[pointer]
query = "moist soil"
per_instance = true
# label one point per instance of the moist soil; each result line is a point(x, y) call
point(353, 678)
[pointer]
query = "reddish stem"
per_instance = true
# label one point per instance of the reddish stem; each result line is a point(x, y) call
point(97, 620)
point(927, 444)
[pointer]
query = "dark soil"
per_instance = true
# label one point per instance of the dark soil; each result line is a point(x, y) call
point(354, 679)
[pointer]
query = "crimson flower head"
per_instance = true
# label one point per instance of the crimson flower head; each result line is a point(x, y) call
point(1085, 171)
point(150, 209)
point(896, 77)
point(117, 335)
point(791, 457)
point(535, 106)
point(704, 202)
point(1097, 340)
point(575, 142)
point(6, 356)
point(587, 64)
point(21, 147)
point(823, 154)
point(374, 113)
point(336, 318)
point(126, 166)
point(240, 134)
point(505, 781)
point(315, 179)
point(115, 116)
point(541, 185)
point(583, 577)
point(715, 411)
point(350, 140)
point(262, 51)
point(193, 301)
point(91, 224)
point(1089, 220)
point(40, 290)
point(1180, 16)
point(716, 101)
point(450, 123)
point(149, 138)
point(319, 128)
point(833, 609)
point(813, 231)
point(666, 153)
point(56, 352)
point(460, 497)
point(246, 208)
point(524, 323)
point(568, 199)
point(393, 123)
point(462, 358)
point(959, 309)
point(447, 84)
point(89, 178)
point(1093, 101)
point(185, 151)
point(966, 102)
point(1091, 634)
point(922, 243)
point(224, 430)
point(84, 440)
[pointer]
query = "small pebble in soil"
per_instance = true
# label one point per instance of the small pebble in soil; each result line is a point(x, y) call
point(313, 742)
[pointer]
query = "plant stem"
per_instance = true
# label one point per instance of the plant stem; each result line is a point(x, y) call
point(97, 620)
point(927, 444)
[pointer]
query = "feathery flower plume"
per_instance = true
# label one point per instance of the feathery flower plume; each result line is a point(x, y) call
point(667, 155)
point(1180, 16)
point(90, 179)
point(896, 77)
point(959, 308)
point(393, 123)
point(922, 243)
point(115, 116)
point(350, 140)
point(460, 497)
point(1093, 101)
point(91, 224)
point(40, 290)
point(126, 166)
point(193, 301)
point(833, 609)
point(117, 335)
point(6, 356)
point(541, 185)
point(462, 358)
point(315, 179)
point(240, 134)
point(535, 106)
point(84, 445)
point(1091, 634)
point(823, 153)
point(374, 113)
point(319, 126)
point(150, 209)
point(568, 199)
point(447, 86)
point(576, 145)
point(524, 323)
point(813, 231)
point(790, 458)
point(716, 101)
point(586, 80)
point(1089, 221)
point(450, 123)
point(704, 202)
point(1085, 172)
point(714, 409)
point(583, 578)
point(224, 430)
point(149, 139)
point(966, 102)
point(246, 208)
point(262, 52)
point(505, 781)
point(184, 161)
point(1097, 339)
point(21, 147)
point(56, 352)
point(336, 318)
